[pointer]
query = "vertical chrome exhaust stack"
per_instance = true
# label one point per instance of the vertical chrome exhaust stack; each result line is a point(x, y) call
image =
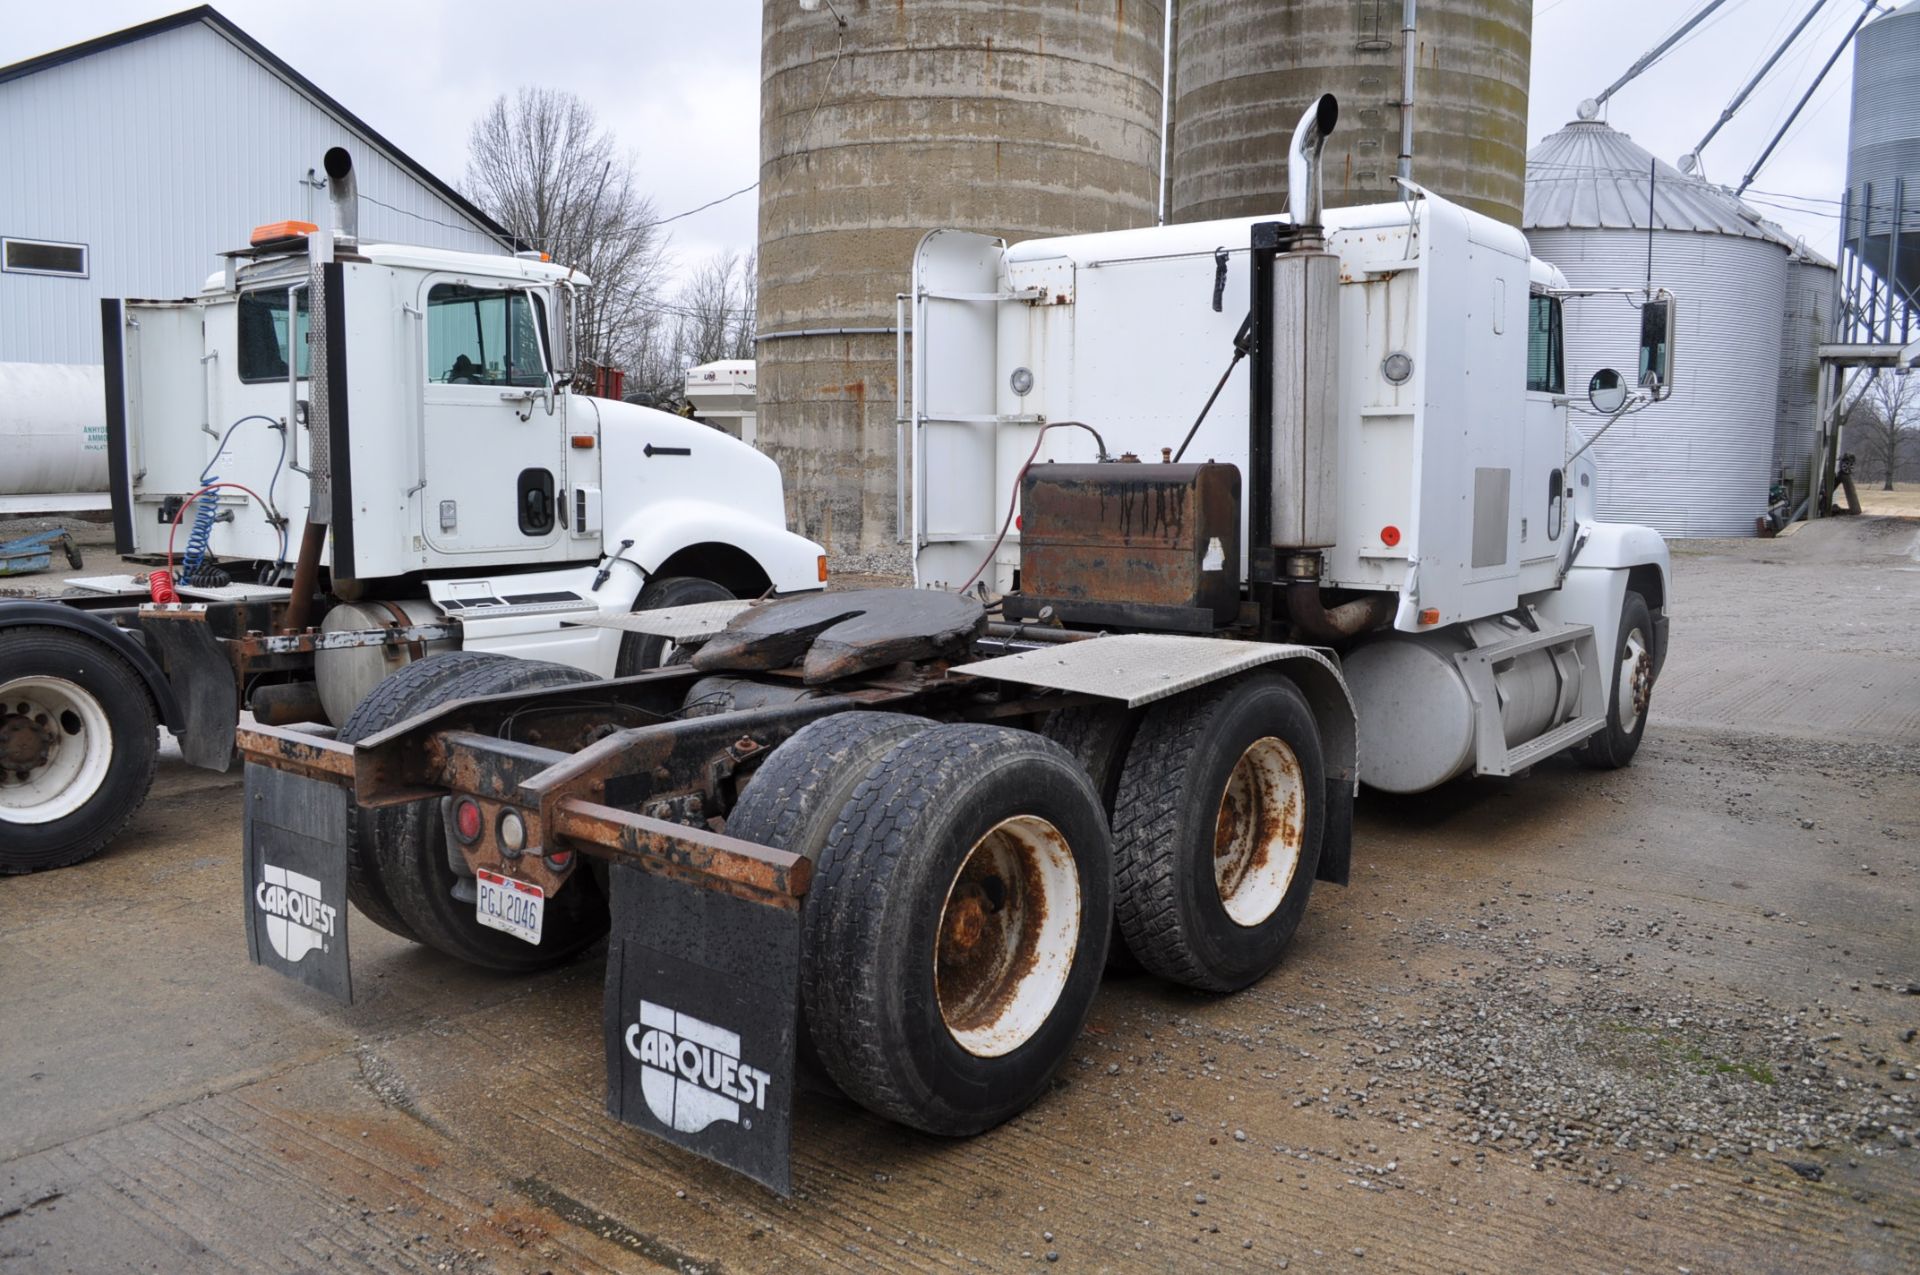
point(1305, 197)
point(344, 194)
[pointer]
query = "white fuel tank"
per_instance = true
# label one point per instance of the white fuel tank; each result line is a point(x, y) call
point(345, 675)
point(53, 429)
point(1417, 716)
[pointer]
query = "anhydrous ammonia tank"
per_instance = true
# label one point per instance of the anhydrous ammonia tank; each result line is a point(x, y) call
point(1700, 463)
point(1244, 70)
point(53, 432)
point(1020, 120)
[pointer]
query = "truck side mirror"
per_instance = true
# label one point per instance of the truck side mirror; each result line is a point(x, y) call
point(561, 345)
point(1658, 319)
point(1607, 391)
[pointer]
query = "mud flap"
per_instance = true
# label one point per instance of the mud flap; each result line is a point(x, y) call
point(702, 1006)
point(295, 832)
point(1336, 843)
point(201, 673)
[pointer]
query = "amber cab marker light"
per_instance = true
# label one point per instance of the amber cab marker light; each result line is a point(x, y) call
point(582, 442)
point(1430, 616)
point(823, 568)
point(274, 231)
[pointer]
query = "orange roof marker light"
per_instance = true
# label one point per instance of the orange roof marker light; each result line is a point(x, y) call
point(275, 231)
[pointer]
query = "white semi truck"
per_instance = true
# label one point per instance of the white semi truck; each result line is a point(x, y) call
point(890, 838)
point(338, 457)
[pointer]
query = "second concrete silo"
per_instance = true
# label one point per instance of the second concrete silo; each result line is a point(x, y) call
point(1700, 463)
point(880, 122)
point(1245, 69)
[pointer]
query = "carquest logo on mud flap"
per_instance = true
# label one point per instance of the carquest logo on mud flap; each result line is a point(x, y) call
point(298, 921)
point(691, 1071)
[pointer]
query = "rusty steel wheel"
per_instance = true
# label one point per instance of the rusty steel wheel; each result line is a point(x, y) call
point(953, 940)
point(1259, 831)
point(1008, 932)
point(1216, 830)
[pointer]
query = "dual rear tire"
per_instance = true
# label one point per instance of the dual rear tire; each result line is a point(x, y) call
point(966, 881)
point(954, 935)
point(400, 873)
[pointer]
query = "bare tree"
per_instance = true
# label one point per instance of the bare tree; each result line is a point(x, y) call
point(541, 165)
point(716, 306)
point(1883, 416)
point(742, 347)
point(709, 318)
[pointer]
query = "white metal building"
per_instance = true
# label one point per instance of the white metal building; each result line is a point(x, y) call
point(132, 159)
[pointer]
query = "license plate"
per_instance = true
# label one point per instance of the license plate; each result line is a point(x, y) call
point(506, 904)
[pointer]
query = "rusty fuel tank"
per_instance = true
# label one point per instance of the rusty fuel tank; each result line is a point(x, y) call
point(1146, 546)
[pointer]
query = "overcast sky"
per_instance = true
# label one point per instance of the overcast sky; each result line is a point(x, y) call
point(678, 81)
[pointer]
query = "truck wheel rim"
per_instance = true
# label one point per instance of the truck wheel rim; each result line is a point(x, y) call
point(1636, 680)
point(55, 747)
point(1008, 931)
point(1259, 831)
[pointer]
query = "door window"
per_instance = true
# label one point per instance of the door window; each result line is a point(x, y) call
point(1545, 371)
point(484, 336)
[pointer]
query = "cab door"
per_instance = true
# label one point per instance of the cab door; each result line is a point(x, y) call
point(495, 432)
point(1543, 504)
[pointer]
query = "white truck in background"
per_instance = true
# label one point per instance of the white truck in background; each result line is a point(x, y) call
point(892, 835)
point(339, 457)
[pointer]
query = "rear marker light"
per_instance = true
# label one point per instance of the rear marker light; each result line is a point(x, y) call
point(1389, 536)
point(560, 860)
point(513, 833)
point(466, 820)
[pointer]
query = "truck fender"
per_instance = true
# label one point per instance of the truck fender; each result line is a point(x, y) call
point(1631, 557)
point(1133, 669)
point(14, 613)
point(791, 563)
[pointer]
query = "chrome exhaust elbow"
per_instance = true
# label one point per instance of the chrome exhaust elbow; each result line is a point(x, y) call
point(1305, 202)
point(345, 197)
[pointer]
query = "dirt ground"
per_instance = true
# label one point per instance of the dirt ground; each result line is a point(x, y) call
point(1903, 501)
point(1657, 1020)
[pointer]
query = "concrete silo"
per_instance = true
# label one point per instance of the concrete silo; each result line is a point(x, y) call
point(1883, 161)
point(883, 121)
point(1700, 463)
point(1245, 69)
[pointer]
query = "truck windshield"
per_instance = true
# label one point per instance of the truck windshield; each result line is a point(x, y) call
point(1545, 373)
point(484, 336)
point(263, 335)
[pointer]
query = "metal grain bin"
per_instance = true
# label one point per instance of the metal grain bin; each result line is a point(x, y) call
point(1807, 322)
point(1700, 463)
point(1023, 120)
point(1883, 150)
point(1245, 69)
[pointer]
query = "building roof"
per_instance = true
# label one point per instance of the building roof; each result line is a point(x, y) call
point(1590, 176)
point(225, 26)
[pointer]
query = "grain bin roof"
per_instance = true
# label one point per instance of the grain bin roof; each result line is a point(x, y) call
point(1591, 176)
